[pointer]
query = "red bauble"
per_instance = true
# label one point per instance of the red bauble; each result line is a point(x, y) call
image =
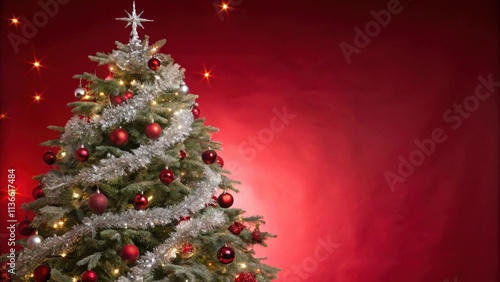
point(225, 200)
point(154, 64)
point(24, 228)
point(119, 137)
point(209, 156)
point(37, 192)
point(196, 112)
point(140, 201)
point(167, 176)
point(127, 95)
point(256, 235)
point(183, 218)
point(153, 130)
point(219, 161)
point(225, 255)
point(182, 155)
point(116, 100)
point(89, 276)
point(41, 273)
point(129, 253)
point(214, 204)
point(187, 251)
point(98, 203)
point(49, 158)
point(236, 228)
point(245, 277)
point(82, 154)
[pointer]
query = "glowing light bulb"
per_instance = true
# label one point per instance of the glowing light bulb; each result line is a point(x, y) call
point(14, 21)
point(102, 94)
point(76, 195)
point(225, 6)
point(111, 68)
point(75, 279)
point(60, 223)
point(116, 271)
point(121, 82)
point(243, 265)
point(55, 226)
point(3, 115)
point(150, 198)
point(207, 74)
point(37, 97)
point(153, 103)
point(63, 154)
point(36, 64)
point(63, 255)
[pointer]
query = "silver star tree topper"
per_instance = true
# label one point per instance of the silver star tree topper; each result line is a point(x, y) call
point(135, 20)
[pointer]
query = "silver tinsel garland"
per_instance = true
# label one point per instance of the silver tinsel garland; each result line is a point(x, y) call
point(210, 220)
point(129, 162)
point(143, 219)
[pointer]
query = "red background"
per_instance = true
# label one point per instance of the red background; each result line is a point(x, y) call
point(322, 177)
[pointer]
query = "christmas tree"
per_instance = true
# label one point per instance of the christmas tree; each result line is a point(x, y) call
point(131, 193)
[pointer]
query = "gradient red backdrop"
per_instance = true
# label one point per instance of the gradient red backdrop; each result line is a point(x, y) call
point(320, 179)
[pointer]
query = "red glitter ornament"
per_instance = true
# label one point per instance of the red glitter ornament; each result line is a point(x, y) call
point(245, 277)
point(98, 203)
point(89, 276)
point(82, 154)
point(37, 192)
point(256, 235)
point(209, 156)
point(41, 273)
point(167, 176)
point(119, 137)
point(140, 201)
point(225, 200)
point(226, 255)
point(129, 253)
point(236, 228)
point(153, 130)
point(187, 251)
point(49, 158)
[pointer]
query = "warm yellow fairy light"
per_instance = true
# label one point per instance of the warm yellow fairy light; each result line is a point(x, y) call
point(3, 115)
point(102, 94)
point(55, 226)
point(150, 198)
point(121, 82)
point(63, 154)
point(63, 255)
point(111, 68)
point(60, 223)
point(14, 21)
point(154, 49)
point(116, 271)
point(153, 103)
point(36, 64)
point(243, 265)
point(37, 97)
point(176, 94)
point(75, 279)
point(76, 195)
point(225, 6)
point(207, 74)
point(169, 109)
point(179, 127)
point(133, 82)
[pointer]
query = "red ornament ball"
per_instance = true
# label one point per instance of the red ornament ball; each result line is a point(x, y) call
point(41, 273)
point(196, 112)
point(116, 100)
point(225, 255)
point(89, 276)
point(187, 251)
point(153, 130)
point(127, 95)
point(98, 203)
point(225, 200)
point(209, 156)
point(256, 235)
point(236, 228)
point(129, 253)
point(219, 161)
point(37, 192)
point(167, 176)
point(49, 158)
point(154, 64)
point(119, 137)
point(182, 155)
point(140, 201)
point(82, 154)
point(24, 228)
point(245, 277)
point(214, 203)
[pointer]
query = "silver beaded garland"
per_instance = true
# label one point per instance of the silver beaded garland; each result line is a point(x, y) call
point(34, 241)
point(80, 92)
